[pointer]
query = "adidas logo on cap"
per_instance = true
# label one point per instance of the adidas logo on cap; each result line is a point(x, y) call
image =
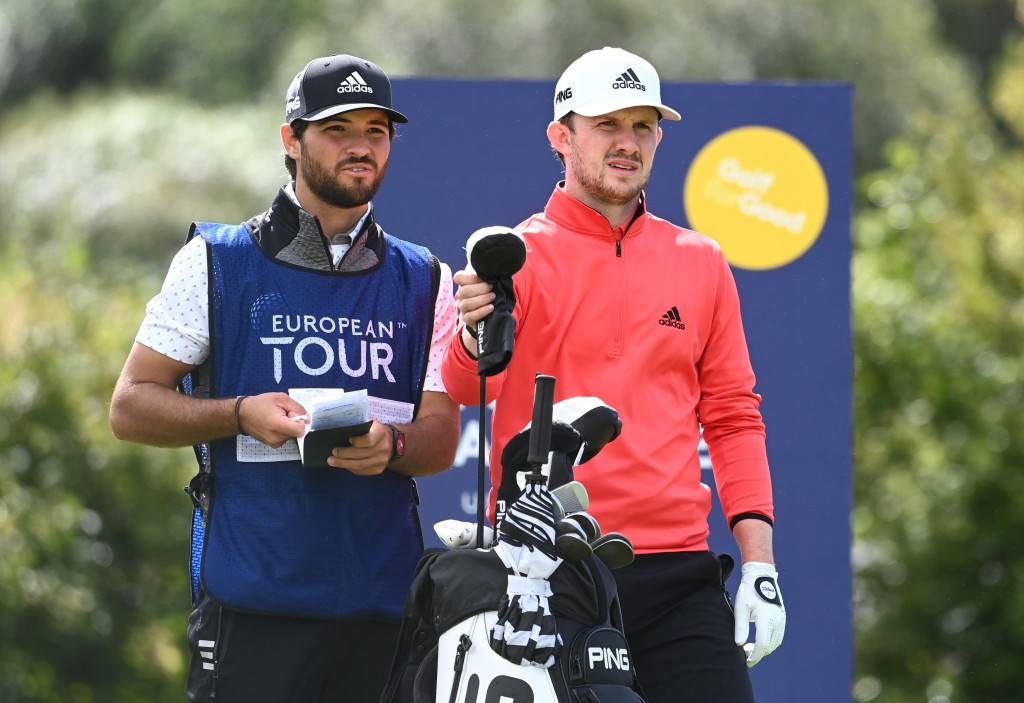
point(606, 80)
point(354, 84)
point(332, 85)
point(629, 79)
point(672, 319)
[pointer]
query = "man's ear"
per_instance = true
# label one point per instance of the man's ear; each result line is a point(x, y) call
point(558, 135)
point(290, 141)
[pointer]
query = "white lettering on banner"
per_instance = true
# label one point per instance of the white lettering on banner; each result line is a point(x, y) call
point(750, 200)
point(609, 658)
point(731, 171)
point(468, 502)
point(381, 354)
point(469, 444)
point(751, 204)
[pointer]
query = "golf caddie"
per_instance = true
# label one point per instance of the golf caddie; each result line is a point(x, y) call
point(299, 574)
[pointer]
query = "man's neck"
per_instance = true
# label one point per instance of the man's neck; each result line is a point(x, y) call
point(617, 215)
point(333, 220)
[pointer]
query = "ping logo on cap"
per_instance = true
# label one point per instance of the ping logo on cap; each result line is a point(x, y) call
point(629, 79)
point(606, 80)
point(354, 84)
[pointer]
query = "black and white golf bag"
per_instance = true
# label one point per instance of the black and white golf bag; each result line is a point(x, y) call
point(534, 617)
point(444, 655)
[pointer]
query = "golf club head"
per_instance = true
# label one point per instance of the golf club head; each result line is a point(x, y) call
point(586, 521)
point(456, 534)
point(614, 549)
point(566, 526)
point(557, 511)
point(570, 541)
point(572, 497)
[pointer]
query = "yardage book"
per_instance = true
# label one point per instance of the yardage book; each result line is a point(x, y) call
point(336, 416)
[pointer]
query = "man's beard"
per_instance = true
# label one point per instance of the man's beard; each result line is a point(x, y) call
point(596, 186)
point(325, 186)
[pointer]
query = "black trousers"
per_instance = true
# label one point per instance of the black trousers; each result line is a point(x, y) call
point(678, 620)
point(240, 657)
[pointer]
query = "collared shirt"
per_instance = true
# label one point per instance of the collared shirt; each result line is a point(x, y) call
point(341, 242)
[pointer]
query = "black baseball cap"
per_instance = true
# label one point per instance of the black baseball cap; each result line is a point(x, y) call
point(331, 85)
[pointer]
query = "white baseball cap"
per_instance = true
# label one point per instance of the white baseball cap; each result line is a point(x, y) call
point(606, 80)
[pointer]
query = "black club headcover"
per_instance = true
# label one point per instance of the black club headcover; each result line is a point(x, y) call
point(578, 422)
point(494, 254)
point(565, 440)
point(597, 424)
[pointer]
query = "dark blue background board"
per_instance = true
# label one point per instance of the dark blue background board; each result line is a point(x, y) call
point(475, 154)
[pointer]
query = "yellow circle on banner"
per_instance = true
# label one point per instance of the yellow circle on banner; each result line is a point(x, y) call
point(760, 193)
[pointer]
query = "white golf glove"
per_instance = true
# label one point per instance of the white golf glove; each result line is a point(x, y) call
point(759, 601)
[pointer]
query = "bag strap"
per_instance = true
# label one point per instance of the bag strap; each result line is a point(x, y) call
point(416, 635)
point(606, 590)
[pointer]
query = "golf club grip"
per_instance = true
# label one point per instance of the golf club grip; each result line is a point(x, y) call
point(540, 428)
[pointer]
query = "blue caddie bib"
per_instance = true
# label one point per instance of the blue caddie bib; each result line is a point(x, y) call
point(277, 537)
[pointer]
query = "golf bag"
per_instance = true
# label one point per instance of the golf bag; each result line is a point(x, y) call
point(443, 653)
point(535, 617)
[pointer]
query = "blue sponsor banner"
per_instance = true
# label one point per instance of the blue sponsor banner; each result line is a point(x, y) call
point(766, 169)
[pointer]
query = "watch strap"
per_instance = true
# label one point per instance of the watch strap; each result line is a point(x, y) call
point(397, 443)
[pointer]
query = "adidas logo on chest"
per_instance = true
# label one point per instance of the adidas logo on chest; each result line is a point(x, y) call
point(672, 319)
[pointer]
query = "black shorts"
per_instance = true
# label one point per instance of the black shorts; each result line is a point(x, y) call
point(678, 620)
point(240, 657)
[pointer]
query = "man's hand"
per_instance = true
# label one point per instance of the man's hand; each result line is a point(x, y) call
point(147, 408)
point(759, 601)
point(267, 417)
point(368, 455)
point(474, 300)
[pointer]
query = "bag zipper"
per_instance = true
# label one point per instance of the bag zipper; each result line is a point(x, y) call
point(460, 659)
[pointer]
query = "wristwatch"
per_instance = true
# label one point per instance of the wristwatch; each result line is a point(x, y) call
point(397, 443)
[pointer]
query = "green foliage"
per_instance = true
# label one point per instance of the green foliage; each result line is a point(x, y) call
point(232, 51)
point(93, 581)
point(1008, 87)
point(94, 532)
point(939, 317)
point(123, 174)
point(978, 28)
point(216, 52)
point(213, 52)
